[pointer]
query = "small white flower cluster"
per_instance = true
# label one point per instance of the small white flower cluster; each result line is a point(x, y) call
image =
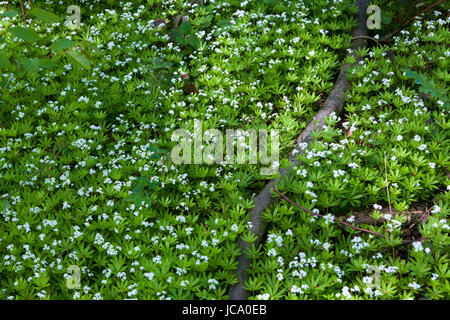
point(299, 290)
point(264, 296)
point(346, 292)
point(329, 218)
point(275, 238)
point(418, 247)
point(358, 244)
point(414, 285)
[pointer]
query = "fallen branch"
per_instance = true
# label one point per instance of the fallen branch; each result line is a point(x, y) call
point(333, 104)
point(365, 37)
point(321, 216)
point(410, 20)
point(404, 241)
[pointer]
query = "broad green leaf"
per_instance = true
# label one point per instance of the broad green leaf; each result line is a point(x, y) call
point(180, 40)
point(24, 34)
point(10, 14)
point(87, 44)
point(62, 44)
point(31, 65)
point(45, 16)
point(185, 28)
point(47, 64)
point(4, 62)
point(80, 58)
point(193, 41)
point(386, 19)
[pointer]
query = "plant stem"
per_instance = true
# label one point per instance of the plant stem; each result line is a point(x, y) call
point(409, 21)
point(6, 31)
point(22, 7)
point(387, 184)
point(321, 216)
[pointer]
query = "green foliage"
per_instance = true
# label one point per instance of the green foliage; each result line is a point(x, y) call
point(9, 14)
point(45, 16)
point(24, 33)
point(428, 86)
point(78, 58)
point(62, 44)
point(33, 64)
point(184, 35)
point(86, 176)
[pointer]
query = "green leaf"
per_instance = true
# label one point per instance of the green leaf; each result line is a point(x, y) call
point(45, 16)
point(193, 41)
point(4, 62)
point(24, 34)
point(385, 19)
point(10, 14)
point(180, 40)
point(224, 23)
point(204, 21)
point(87, 44)
point(427, 85)
point(31, 65)
point(47, 64)
point(80, 58)
point(185, 28)
point(62, 44)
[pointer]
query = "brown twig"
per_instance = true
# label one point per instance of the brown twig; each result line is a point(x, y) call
point(22, 7)
point(365, 37)
point(321, 216)
point(409, 21)
point(422, 218)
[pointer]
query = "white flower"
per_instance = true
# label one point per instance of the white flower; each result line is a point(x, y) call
point(264, 296)
point(422, 147)
point(399, 138)
point(353, 165)
point(296, 289)
point(436, 209)
point(272, 252)
point(328, 218)
point(417, 246)
point(414, 285)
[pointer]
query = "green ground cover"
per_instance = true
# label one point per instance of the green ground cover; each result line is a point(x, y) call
point(82, 148)
point(387, 114)
point(86, 177)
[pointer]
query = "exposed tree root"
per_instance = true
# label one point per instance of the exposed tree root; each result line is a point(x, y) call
point(333, 104)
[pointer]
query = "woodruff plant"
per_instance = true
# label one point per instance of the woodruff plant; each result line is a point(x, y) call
point(61, 47)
